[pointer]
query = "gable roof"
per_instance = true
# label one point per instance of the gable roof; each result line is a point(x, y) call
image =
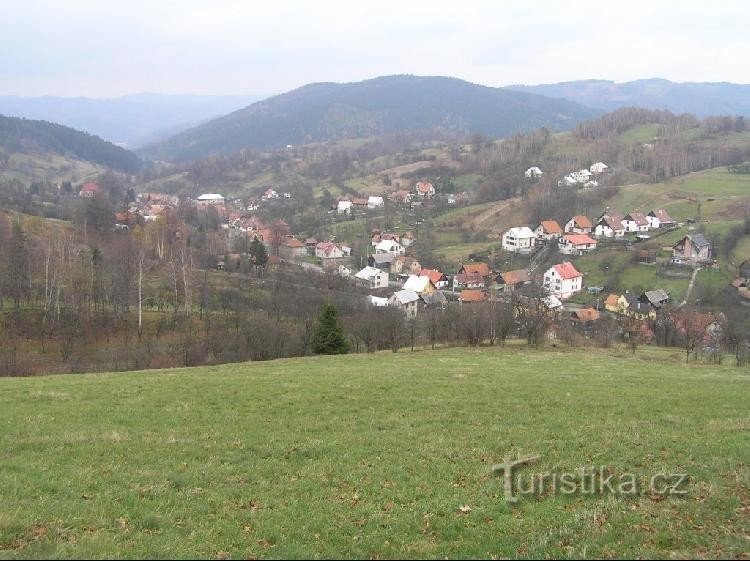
point(480, 268)
point(638, 218)
point(613, 222)
point(382, 258)
point(368, 273)
point(611, 300)
point(405, 296)
point(566, 270)
point(424, 186)
point(468, 278)
point(433, 274)
point(661, 214)
point(417, 284)
point(292, 242)
point(521, 232)
point(656, 297)
point(582, 221)
point(472, 296)
point(515, 277)
point(386, 245)
point(698, 240)
point(579, 239)
point(550, 227)
point(433, 298)
point(586, 314)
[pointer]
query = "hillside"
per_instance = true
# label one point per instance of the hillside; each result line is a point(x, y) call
point(327, 111)
point(331, 457)
point(700, 98)
point(28, 137)
point(131, 120)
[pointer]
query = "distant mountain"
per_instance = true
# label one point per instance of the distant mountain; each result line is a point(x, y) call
point(41, 137)
point(328, 111)
point(132, 120)
point(700, 98)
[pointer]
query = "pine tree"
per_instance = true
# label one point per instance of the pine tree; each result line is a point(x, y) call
point(258, 253)
point(328, 337)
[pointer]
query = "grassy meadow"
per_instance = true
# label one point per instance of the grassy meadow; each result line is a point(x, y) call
point(375, 456)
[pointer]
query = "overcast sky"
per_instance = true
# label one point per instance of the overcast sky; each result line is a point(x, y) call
point(105, 48)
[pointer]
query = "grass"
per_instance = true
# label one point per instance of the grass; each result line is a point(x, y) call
point(374, 456)
point(640, 133)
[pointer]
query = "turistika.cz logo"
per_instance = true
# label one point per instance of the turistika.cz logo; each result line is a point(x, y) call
point(589, 480)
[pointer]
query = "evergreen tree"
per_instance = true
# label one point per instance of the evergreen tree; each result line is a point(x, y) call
point(328, 336)
point(258, 253)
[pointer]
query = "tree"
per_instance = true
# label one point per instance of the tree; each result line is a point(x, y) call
point(328, 337)
point(258, 254)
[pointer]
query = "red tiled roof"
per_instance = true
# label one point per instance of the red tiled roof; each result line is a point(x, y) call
point(90, 187)
point(566, 270)
point(551, 227)
point(611, 300)
point(580, 239)
point(469, 278)
point(516, 277)
point(434, 275)
point(586, 314)
point(582, 221)
point(424, 186)
point(472, 296)
point(293, 242)
point(480, 268)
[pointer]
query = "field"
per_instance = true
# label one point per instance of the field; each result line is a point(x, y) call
point(374, 456)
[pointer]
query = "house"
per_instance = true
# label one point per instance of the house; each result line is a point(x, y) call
point(310, 244)
point(693, 248)
point(359, 202)
point(584, 315)
point(576, 244)
point(533, 173)
point(210, 199)
point(382, 261)
point(372, 278)
point(599, 167)
point(548, 230)
point(635, 222)
point(440, 280)
point(89, 190)
point(377, 302)
point(519, 240)
point(375, 202)
point(344, 207)
point(400, 196)
point(660, 219)
point(510, 280)
point(631, 306)
point(579, 225)
point(469, 296)
point(433, 299)
point(406, 301)
point(656, 298)
point(591, 184)
point(328, 250)
point(292, 248)
point(425, 189)
point(481, 269)
point(552, 303)
point(407, 239)
point(610, 226)
point(567, 181)
point(611, 304)
point(270, 194)
point(344, 271)
point(390, 246)
point(468, 280)
point(418, 284)
point(405, 265)
point(563, 280)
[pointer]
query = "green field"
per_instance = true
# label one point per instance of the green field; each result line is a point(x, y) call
point(375, 456)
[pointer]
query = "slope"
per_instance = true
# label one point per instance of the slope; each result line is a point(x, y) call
point(328, 111)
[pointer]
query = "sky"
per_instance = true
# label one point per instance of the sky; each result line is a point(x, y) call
point(104, 48)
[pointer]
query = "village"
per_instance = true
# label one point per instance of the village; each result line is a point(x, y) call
point(393, 277)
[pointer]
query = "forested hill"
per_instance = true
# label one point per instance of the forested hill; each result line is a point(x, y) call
point(328, 111)
point(700, 98)
point(28, 136)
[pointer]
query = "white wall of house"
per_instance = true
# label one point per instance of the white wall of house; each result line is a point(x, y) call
point(562, 288)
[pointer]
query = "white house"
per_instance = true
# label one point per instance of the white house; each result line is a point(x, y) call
point(635, 222)
point(567, 181)
point(591, 184)
point(344, 271)
point(599, 167)
point(378, 302)
point(548, 230)
point(328, 250)
point(419, 284)
point(576, 244)
point(372, 278)
point(344, 207)
point(610, 226)
point(405, 300)
point(660, 219)
point(270, 194)
point(519, 240)
point(425, 189)
point(533, 173)
point(390, 246)
point(375, 202)
point(579, 225)
point(563, 280)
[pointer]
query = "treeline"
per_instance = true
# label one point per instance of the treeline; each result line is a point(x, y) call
point(20, 135)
